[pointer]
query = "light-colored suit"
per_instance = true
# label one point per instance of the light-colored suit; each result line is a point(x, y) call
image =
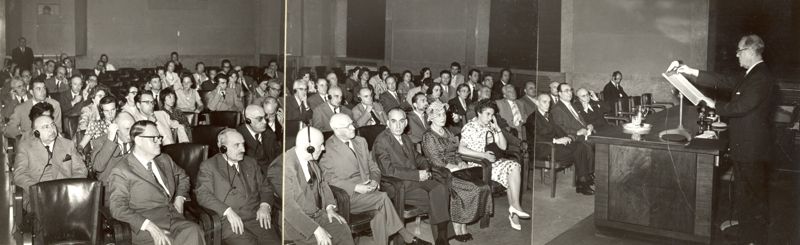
point(31, 163)
point(137, 196)
point(220, 186)
point(230, 102)
point(322, 114)
point(20, 124)
point(505, 112)
point(300, 211)
point(346, 168)
point(362, 117)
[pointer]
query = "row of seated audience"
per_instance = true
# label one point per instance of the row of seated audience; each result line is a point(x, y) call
point(119, 142)
point(420, 146)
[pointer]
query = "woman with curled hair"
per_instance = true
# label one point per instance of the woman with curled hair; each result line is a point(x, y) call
point(90, 110)
point(187, 98)
point(434, 93)
point(469, 194)
point(406, 83)
point(481, 137)
point(97, 127)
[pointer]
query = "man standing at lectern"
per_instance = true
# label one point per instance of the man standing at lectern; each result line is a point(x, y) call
point(750, 112)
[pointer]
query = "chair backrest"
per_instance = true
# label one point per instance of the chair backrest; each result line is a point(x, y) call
point(70, 128)
point(291, 128)
point(207, 135)
point(188, 156)
point(370, 133)
point(66, 211)
point(224, 118)
point(647, 99)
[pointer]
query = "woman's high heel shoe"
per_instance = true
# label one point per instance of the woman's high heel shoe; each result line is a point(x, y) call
point(520, 214)
point(516, 226)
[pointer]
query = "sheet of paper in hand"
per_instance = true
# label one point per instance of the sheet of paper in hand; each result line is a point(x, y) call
point(684, 86)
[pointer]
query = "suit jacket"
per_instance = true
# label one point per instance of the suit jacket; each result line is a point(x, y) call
point(230, 102)
point(457, 108)
point(595, 116)
point(24, 58)
point(220, 187)
point(543, 129)
point(31, 161)
point(20, 124)
point(504, 111)
point(105, 156)
point(345, 168)
point(530, 107)
point(390, 102)
point(53, 89)
point(395, 160)
point(564, 119)
point(137, 196)
point(315, 100)
point(497, 89)
point(322, 116)
point(263, 152)
point(65, 99)
point(611, 93)
point(361, 116)
point(293, 110)
point(451, 93)
point(10, 102)
point(416, 127)
point(750, 111)
point(300, 197)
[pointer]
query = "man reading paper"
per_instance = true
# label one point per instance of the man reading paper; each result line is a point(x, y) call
point(750, 110)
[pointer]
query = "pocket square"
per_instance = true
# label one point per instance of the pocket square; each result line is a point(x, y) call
point(67, 158)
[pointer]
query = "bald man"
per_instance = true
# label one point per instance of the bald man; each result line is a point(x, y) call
point(324, 112)
point(348, 164)
point(297, 107)
point(116, 143)
point(309, 207)
point(46, 157)
point(233, 185)
point(261, 145)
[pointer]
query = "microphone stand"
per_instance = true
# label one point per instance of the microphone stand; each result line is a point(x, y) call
point(679, 131)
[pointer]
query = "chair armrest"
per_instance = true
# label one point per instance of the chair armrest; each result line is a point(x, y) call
point(552, 147)
point(209, 220)
point(121, 231)
point(18, 206)
point(396, 191)
point(342, 202)
point(485, 164)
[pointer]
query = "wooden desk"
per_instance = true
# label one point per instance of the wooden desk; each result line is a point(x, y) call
point(656, 188)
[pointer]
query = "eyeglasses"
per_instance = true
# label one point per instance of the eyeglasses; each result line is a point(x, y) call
point(155, 139)
point(741, 49)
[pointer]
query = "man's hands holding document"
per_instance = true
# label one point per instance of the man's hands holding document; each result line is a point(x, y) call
point(679, 67)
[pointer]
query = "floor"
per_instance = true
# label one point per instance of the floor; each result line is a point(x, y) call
point(498, 232)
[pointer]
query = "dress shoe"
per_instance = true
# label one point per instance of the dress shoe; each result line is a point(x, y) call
point(468, 236)
point(418, 241)
point(461, 238)
point(519, 213)
point(516, 226)
point(584, 189)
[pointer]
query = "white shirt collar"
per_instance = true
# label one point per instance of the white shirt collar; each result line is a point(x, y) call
point(51, 145)
point(751, 67)
point(253, 133)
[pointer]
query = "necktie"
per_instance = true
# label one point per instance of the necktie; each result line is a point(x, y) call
point(125, 148)
point(349, 146)
point(515, 112)
point(336, 110)
point(258, 138)
point(49, 152)
point(324, 98)
point(575, 114)
point(311, 182)
point(150, 168)
point(424, 121)
point(302, 106)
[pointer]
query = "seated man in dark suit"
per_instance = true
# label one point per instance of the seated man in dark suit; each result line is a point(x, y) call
point(309, 208)
point(46, 157)
point(348, 164)
point(590, 108)
point(390, 99)
point(297, 108)
point(148, 191)
point(395, 153)
point(274, 117)
point(70, 101)
point(321, 96)
point(417, 121)
point(261, 146)
point(234, 186)
point(613, 91)
point(566, 116)
point(543, 129)
point(58, 83)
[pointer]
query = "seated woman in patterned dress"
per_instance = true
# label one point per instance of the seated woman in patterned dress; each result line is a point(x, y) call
point(92, 122)
point(475, 136)
point(469, 195)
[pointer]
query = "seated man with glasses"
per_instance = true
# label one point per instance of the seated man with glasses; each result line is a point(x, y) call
point(261, 145)
point(223, 97)
point(146, 103)
point(148, 191)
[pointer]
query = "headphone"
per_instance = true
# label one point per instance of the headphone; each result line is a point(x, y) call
point(222, 148)
point(36, 133)
point(310, 149)
point(248, 121)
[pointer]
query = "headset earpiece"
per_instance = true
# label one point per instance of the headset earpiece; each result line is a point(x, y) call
point(248, 121)
point(328, 96)
point(310, 149)
point(36, 133)
point(223, 149)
